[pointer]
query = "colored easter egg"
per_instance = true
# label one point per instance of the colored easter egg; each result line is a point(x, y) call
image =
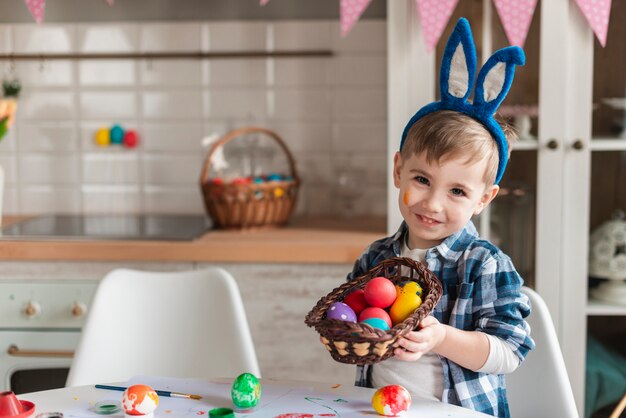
point(246, 391)
point(131, 139)
point(377, 323)
point(374, 312)
point(139, 400)
point(391, 400)
point(356, 300)
point(217, 181)
point(380, 292)
point(274, 177)
point(407, 301)
point(279, 192)
point(103, 137)
point(341, 311)
point(116, 134)
point(240, 180)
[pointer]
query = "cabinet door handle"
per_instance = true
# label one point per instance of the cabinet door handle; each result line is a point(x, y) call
point(578, 145)
point(553, 144)
point(13, 350)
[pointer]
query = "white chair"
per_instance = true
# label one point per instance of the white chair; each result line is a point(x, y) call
point(540, 387)
point(173, 324)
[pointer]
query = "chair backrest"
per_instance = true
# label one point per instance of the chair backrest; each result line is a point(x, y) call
point(540, 387)
point(172, 324)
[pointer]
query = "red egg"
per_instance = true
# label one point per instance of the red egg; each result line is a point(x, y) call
point(380, 292)
point(131, 139)
point(391, 400)
point(356, 300)
point(374, 312)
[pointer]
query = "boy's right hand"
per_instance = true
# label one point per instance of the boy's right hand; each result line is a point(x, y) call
point(416, 343)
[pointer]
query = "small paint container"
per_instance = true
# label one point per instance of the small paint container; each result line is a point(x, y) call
point(221, 413)
point(50, 415)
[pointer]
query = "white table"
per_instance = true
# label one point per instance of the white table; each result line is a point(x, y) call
point(278, 397)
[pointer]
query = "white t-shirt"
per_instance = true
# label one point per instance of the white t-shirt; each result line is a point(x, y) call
point(424, 378)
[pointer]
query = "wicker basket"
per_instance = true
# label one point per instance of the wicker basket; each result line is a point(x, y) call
point(357, 343)
point(249, 205)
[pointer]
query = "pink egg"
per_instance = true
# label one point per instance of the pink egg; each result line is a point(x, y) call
point(380, 292)
point(341, 311)
point(374, 312)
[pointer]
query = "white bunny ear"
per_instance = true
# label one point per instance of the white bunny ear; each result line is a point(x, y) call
point(495, 78)
point(458, 65)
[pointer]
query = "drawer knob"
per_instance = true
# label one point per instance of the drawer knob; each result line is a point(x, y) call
point(79, 309)
point(32, 309)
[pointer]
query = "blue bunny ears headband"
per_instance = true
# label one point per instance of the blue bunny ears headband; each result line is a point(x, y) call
point(458, 69)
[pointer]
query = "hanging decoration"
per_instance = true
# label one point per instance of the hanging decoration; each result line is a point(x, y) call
point(8, 104)
point(36, 8)
point(110, 2)
point(597, 14)
point(264, 2)
point(516, 16)
point(349, 13)
point(434, 16)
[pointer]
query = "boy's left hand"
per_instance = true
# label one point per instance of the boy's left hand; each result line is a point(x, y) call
point(416, 343)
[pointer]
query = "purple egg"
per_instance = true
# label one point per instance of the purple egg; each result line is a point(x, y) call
point(341, 311)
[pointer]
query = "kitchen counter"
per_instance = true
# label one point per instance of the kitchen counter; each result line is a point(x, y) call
point(306, 240)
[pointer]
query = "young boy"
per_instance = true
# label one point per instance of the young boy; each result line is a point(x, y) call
point(452, 156)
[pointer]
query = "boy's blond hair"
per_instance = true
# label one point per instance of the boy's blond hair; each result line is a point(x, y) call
point(450, 134)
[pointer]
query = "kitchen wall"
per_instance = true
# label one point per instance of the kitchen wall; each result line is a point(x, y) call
point(331, 111)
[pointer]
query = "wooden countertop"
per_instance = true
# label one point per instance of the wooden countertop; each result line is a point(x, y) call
point(308, 240)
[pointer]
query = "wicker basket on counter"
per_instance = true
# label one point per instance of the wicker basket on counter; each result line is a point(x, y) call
point(359, 343)
point(239, 205)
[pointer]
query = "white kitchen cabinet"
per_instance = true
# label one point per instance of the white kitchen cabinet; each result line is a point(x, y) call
point(571, 172)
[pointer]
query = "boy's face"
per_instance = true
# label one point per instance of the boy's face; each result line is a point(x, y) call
point(437, 199)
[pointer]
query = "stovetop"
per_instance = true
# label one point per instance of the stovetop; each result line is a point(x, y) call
point(109, 227)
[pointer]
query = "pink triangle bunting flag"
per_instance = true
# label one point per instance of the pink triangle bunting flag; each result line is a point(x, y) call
point(110, 2)
point(36, 8)
point(349, 13)
point(264, 2)
point(516, 16)
point(597, 14)
point(434, 16)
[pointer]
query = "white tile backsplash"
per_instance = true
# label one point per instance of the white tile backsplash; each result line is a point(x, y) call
point(111, 199)
point(237, 72)
point(42, 105)
point(186, 200)
point(177, 37)
point(233, 36)
point(49, 169)
point(106, 73)
point(109, 169)
point(45, 73)
point(177, 73)
point(170, 169)
point(172, 105)
point(173, 136)
point(302, 35)
point(47, 199)
point(114, 37)
point(113, 105)
point(330, 111)
point(48, 38)
point(48, 137)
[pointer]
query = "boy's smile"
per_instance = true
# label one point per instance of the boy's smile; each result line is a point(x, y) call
point(437, 199)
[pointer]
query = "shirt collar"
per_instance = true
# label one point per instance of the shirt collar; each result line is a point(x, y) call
point(450, 249)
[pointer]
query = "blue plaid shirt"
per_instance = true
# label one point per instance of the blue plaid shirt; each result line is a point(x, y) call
point(481, 292)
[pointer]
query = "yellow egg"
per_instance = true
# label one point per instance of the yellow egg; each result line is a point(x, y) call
point(407, 301)
point(102, 137)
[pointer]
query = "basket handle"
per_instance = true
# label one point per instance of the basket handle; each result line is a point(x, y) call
point(204, 176)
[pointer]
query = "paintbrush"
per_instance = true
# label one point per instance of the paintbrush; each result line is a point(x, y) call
point(158, 392)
